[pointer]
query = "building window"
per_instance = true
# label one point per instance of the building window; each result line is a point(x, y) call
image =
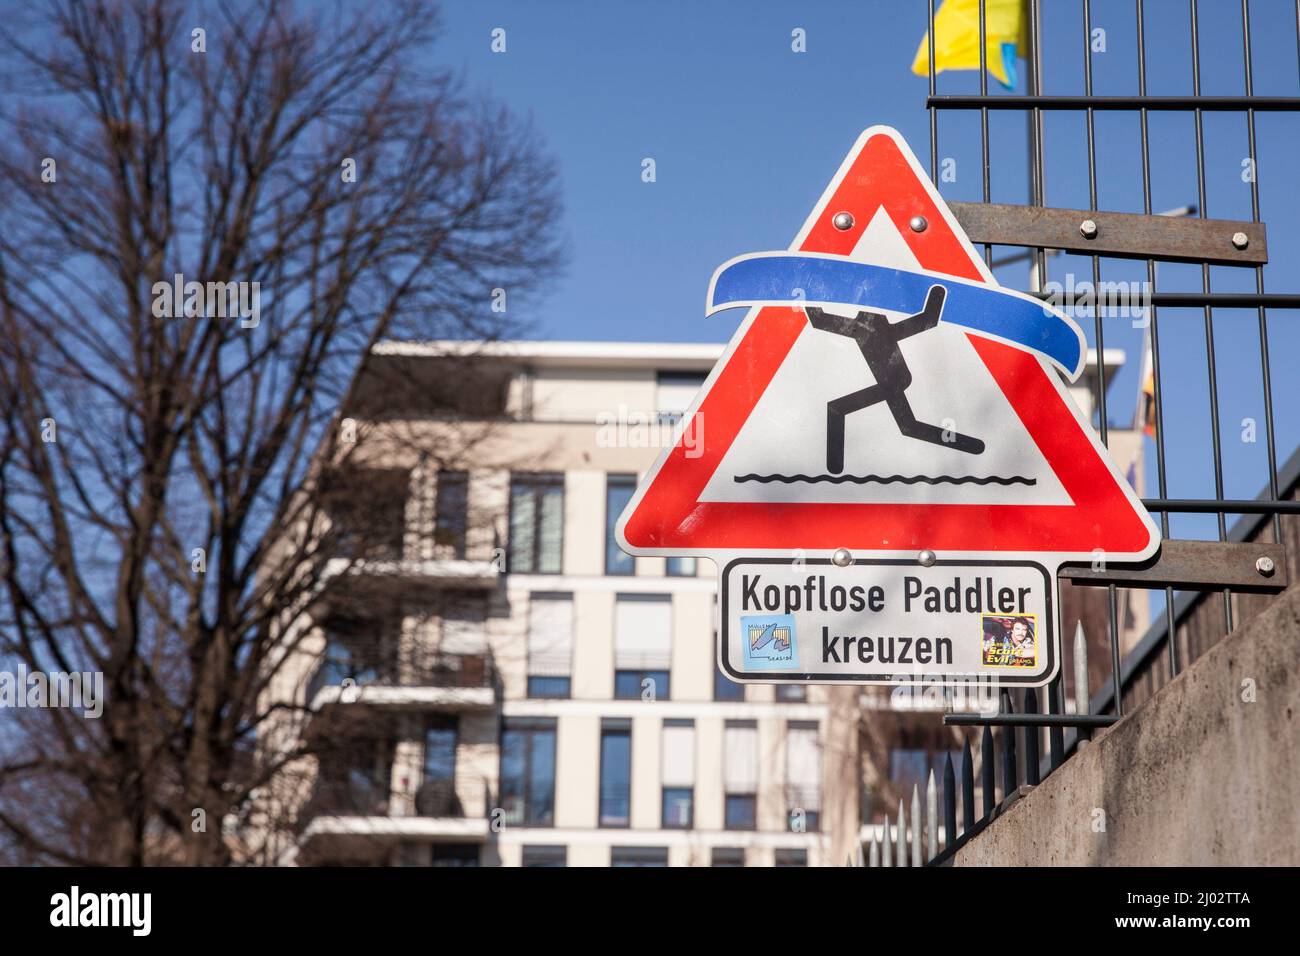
point(727, 856)
point(803, 776)
point(741, 811)
point(451, 513)
point(675, 392)
point(455, 854)
point(528, 772)
point(550, 644)
point(917, 751)
point(437, 794)
point(643, 645)
point(348, 656)
point(678, 774)
point(791, 857)
point(463, 629)
point(618, 492)
point(545, 856)
point(367, 511)
point(355, 776)
point(909, 768)
point(440, 750)
point(791, 693)
point(638, 856)
point(536, 523)
point(724, 688)
point(543, 687)
point(740, 775)
point(615, 773)
point(680, 567)
point(632, 685)
point(679, 808)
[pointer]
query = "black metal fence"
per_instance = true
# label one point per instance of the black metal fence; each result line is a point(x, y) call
point(1209, 587)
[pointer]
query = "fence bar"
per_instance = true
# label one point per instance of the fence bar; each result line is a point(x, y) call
point(1031, 738)
point(949, 801)
point(986, 772)
point(1123, 235)
point(932, 817)
point(984, 116)
point(900, 844)
point(1008, 751)
point(1266, 380)
point(1208, 313)
point(1028, 720)
point(1183, 300)
point(934, 118)
point(916, 824)
point(1037, 167)
point(886, 853)
point(1153, 339)
point(1116, 666)
point(1240, 506)
point(1219, 104)
point(1081, 681)
point(1056, 734)
point(967, 788)
point(1243, 566)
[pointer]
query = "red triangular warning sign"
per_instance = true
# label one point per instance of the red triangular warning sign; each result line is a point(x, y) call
point(756, 476)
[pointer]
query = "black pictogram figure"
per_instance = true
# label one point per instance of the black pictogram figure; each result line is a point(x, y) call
point(878, 339)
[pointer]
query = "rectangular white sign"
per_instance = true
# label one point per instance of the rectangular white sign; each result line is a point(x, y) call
point(888, 622)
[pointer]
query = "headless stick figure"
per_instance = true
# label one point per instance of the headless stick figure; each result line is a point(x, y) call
point(877, 338)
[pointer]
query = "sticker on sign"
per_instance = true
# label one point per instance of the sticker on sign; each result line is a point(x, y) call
point(890, 622)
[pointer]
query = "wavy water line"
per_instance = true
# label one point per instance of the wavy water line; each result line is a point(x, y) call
point(891, 479)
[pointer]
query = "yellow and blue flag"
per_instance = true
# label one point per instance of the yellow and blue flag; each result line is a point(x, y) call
point(957, 38)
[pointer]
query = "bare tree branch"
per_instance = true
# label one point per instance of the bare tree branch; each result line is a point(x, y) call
point(134, 437)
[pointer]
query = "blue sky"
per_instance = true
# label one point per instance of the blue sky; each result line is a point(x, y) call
point(745, 134)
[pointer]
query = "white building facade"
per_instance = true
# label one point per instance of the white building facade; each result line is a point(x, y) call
point(515, 689)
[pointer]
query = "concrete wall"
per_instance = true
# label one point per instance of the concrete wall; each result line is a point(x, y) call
point(1207, 772)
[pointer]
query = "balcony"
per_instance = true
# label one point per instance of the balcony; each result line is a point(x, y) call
point(431, 681)
point(351, 820)
point(353, 793)
point(451, 573)
point(375, 549)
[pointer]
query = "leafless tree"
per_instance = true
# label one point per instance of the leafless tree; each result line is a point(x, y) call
point(165, 479)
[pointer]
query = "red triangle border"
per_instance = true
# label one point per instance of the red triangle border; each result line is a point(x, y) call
point(666, 516)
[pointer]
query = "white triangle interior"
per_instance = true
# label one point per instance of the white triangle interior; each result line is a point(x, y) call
point(784, 437)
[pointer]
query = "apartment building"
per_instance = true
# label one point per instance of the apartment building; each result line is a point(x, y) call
point(507, 686)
